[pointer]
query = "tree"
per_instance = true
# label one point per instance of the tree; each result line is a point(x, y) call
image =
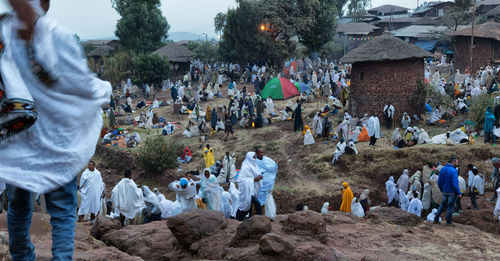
point(340, 6)
point(142, 27)
point(206, 51)
point(116, 67)
point(322, 30)
point(458, 14)
point(357, 8)
point(220, 22)
point(150, 68)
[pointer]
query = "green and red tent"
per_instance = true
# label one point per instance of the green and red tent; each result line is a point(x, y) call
point(279, 88)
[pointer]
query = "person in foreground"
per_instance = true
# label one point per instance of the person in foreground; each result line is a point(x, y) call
point(45, 136)
point(448, 184)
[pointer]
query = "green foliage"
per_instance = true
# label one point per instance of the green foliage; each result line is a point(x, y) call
point(478, 108)
point(323, 27)
point(220, 22)
point(142, 27)
point(425, 92)
point(158, 154)
point(457, 15)
point(205, 51)
point(150, 68)
point(116, 67)
point(333, 49)
point(358, 8)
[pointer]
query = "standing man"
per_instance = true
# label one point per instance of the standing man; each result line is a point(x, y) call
point(297, 120)
point(50, 81)
point(251, 181)
point(91, 192)
point(269, 170)
point(448, 184)
point(127, 198)
point(495, 176)
point(389, 115)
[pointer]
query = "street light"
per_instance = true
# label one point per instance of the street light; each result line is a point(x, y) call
point(262, 27)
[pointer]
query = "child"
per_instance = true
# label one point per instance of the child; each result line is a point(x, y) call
point(415, 205)
point(476, 188)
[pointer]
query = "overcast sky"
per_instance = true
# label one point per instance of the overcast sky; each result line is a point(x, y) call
point(93, 19)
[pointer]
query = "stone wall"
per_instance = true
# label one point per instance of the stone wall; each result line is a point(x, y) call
point(483, 53)
point(384, 82)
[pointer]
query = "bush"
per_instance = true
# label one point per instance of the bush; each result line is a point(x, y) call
point(158, 154)
point(478, 109)
point(150, 68)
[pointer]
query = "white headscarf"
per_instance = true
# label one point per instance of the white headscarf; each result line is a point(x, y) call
point(250, 169)
point(391, 190)
point(324, 208)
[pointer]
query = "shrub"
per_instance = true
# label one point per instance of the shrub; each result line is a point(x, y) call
point(478, 109)
point(158, 154)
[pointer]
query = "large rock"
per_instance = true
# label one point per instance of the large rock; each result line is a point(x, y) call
point(149, 241)
point(193, 225)
point(273, 244)
point(104, 224)
point(393, 215)
point(339, 217)
point(251, 230)
point(306, 223)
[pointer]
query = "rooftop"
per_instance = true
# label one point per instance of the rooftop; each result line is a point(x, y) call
point(356, 28)
point(175, 53)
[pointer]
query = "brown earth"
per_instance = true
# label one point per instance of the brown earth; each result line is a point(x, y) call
point(385, 234)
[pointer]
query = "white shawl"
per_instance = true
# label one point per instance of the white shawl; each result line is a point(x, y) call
point(127, 198)
point(91, 188)
point(391, 190)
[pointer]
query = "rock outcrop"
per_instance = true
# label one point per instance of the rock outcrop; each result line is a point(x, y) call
point(103, 225)
point(306, 223)
point(251, 229)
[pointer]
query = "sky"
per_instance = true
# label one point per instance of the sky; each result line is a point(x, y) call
point(95, 19)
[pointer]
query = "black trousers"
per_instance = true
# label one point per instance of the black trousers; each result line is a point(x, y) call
point(240, 215)
point(373, 140)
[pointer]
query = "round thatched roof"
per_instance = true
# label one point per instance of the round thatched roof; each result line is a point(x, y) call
point(101, 51)
point(175, 53)
point(384, 48)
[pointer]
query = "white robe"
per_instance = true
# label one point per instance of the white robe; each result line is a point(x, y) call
point(269, 106)
point(478, 183)
point(228, 167)
point(63, 138)
point(339, 151)
point(91, 189)
point(308, 138)
point(127, 198)
point(235, 199)
point(225, 205)
point(496, 211)
point(373, 127)
point(390, 187)
point(246, 190)
point(209, 188)
point(415, 207)
point(187, 196)
point(317, 127)
point(357, 209)
point(439, 139)
point(426, 197)
point(432, 215)
point(250, 170)
point(403, 181)
point(404, 203)
point(423, 137)
point(324, 208)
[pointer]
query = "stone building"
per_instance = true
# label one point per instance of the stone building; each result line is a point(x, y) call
point(385, 70)
point(486, 46)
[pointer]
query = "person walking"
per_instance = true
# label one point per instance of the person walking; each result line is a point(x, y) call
point(448, 184)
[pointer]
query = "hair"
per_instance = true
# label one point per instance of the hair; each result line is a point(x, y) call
point(299, 207)
point(470, 166)
point(258, 148)
point(92, 162)
point(415, 194)
point(452, 158)
point(127, 173)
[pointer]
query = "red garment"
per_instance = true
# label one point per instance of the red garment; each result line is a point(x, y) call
point(103, 132)
point(184, 153)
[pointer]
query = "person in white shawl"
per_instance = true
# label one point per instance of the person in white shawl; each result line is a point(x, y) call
point(225, 203)
point(415, 206)
point(317, 127)
point(440, 138)
point(249, 174)
point(423, 137)
point(235, 199)
point(269, 170)
point(432, 215)
point(404, 203)
point(390, 187)
point(127, 198)
point(324, 208)
point(45, 84)
point(186, 193)
point(426, 197)
point(209, 188)
point(91, 192)
point(373, 129)
point(308, 138)
point(403, 181)
point(228, 170)
point(458, 136)
point(405, 121)
point(339, 150)
point(152, 211)
point(356, 208)
point(269, 106)
point(435, 116)
point(496, 211)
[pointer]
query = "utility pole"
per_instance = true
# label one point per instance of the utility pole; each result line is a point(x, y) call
point(471, 51)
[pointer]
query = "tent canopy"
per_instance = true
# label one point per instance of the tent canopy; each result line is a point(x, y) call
point(279, 88)
point(302, 87)
point(427, 45)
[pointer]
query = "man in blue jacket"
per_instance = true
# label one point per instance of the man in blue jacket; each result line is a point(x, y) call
point(448, 184)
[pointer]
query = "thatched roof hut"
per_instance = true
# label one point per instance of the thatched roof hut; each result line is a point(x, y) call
point(101, 51)
point(385, 48)
point(490, 30)
point(175, 53)
point(385, 70)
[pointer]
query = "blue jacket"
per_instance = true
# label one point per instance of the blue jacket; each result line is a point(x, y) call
point(489, 120)
point(448, 180)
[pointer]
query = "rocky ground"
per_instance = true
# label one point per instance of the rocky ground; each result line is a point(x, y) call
point(384, 234)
